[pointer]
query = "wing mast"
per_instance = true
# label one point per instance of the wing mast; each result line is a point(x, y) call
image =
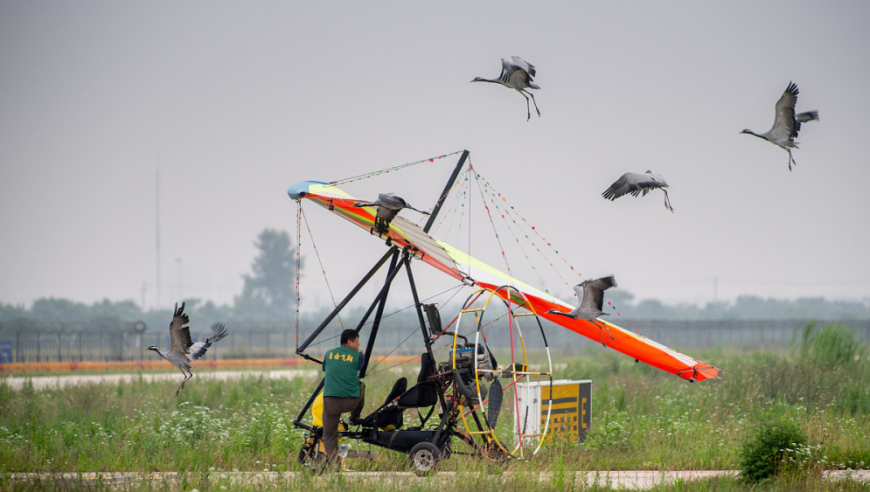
point(444, 193)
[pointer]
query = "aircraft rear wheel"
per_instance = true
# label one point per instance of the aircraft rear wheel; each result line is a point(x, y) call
point(424, 458)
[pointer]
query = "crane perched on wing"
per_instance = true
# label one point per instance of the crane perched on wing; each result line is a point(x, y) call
point(517, 74)
point(786, 123)
point(388, 205)
point(638, 184)
point(591, 294)
point(182, 350)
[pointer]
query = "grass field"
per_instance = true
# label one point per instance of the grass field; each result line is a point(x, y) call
point(642, 419)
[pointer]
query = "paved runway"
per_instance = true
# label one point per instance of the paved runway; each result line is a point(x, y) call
point(625, 480)
point(42, 382)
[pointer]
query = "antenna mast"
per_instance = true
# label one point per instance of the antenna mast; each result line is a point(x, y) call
point(157, 201)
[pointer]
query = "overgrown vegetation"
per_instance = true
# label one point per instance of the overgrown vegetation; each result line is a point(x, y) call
point(776, 448)
point(642, 418)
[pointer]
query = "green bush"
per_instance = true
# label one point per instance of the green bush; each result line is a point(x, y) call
point(774, 448)
point(832, 346)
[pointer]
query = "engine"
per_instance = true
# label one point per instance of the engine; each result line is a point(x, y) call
point(467, 361)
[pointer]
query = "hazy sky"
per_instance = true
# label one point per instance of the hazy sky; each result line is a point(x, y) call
point(234, 101)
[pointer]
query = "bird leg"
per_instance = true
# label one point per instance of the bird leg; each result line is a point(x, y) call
point(790, 159)
point(528, 109)
point(182, 381)
point(536, 104)
point(381, 227)
point(187, 375)
point(667, 201)
point(602, 330)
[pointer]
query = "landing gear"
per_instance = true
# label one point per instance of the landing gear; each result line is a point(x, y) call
point(424, 458)
point(311, 455)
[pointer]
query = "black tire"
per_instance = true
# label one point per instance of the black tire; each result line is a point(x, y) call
point(424, 458)
point(310, 456)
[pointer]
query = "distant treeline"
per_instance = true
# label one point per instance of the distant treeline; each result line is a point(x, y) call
point(744, 308)
point(63, 314)
point(51, 314)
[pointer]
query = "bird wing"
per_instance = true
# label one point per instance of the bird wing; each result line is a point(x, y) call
point(619, 188)
point(395, 203)
point(507, 69)
point(524, 65)
point(593, 292)
point(593, 298)
point(199, 348)
point(633, 183)
point(516, 76)
point(386, 214)
point(578, 289)
point(783, 129)
point(808, 116)
point(391, 201)
point(178, 333)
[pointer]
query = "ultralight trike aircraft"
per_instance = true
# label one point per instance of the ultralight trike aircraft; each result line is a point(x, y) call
point(495, 344)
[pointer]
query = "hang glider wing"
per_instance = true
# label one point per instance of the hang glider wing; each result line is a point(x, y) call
point(465, 268)
point(631, 344)
point(402, 232)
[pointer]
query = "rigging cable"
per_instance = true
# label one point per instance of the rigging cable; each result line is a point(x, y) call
point(298, 263)
point(457, 201)
point(390, 169)
point(500, 210)
point(491, 223)
point(510, 209)
point(322, 268)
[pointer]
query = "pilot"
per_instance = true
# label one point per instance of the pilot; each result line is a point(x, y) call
point(342, 390)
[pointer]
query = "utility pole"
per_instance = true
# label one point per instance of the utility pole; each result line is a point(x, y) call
point(715, 288)
point(157, 215)
point(180, 296)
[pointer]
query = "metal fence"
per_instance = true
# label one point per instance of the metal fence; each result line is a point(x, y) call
point(116, 340)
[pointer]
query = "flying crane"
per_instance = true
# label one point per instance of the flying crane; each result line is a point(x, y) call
point(636, 184)
point(591, 295)
point(182, 349)
point(517, 74)
point(786, 124)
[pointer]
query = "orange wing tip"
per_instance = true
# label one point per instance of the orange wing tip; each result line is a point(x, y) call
point(699, 372)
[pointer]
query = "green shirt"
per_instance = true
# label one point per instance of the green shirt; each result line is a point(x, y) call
point(341, 366)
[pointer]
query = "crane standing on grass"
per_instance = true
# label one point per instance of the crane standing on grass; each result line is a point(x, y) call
point(182, 350)
point(786, 124)
point(517, 74)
